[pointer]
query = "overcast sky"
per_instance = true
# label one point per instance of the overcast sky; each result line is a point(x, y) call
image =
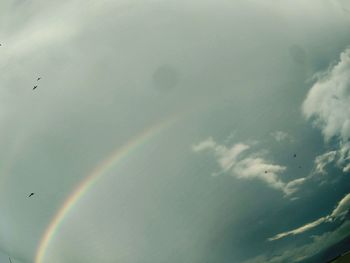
point(230, 120)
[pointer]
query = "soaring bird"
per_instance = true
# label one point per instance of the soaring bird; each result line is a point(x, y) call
point(31, 194)
point(35, 87)
point(38, 78)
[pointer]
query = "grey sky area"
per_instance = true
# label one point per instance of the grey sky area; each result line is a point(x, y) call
point(229, 122)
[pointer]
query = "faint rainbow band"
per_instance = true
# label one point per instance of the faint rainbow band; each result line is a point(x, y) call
point(115, 158)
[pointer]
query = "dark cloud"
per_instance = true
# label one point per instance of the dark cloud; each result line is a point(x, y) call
point(223, 64)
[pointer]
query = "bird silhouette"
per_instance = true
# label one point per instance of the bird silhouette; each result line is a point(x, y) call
point(38, 78)
point(35, 87)
point(31, 194)
point(294, 155)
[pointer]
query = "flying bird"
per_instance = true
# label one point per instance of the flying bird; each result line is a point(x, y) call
point(266, 172)
point(31, 194)
point(38, 78)
point(295, 155)
point(35, 87)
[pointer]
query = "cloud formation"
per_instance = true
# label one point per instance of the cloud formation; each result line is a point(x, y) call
point(100, 62)
point(323, 160)
point(297, 254)
point(340, 158)
point(343, 160)
point(327, 105)
point(327, 102)
point(281, 136)
point(338, 213)
point(243, 165)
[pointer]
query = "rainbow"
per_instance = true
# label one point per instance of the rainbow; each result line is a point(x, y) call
point(115, 158)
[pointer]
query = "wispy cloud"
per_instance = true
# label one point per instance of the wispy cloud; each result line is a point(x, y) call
point(281, 136)
point(327, 105)
point(243, 165)
point(227, 157)
point(338, 213)
point(342, 208)
point(297, 254)
point(299, 230)
point(323, 160)
point(343, 160)
point(327, 102)
point(340, 158)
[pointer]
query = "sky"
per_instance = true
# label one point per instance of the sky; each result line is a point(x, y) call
point(174, 131)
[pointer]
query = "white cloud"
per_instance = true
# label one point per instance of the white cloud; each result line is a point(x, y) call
point(340, 157)
point(204, 145)
point(346, 169)
point(323, 160)
point(328, 105)
point(250, 166)
point(328, 101)
point(226, 157)
point(293, 186)
point(255, 167)
point(299, 230)
point(281, 136)
point(344, 156)
point(338, 213)
point(342, 207)
point(298, 254)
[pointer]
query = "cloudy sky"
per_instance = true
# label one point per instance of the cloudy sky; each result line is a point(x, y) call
point(174, 131)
